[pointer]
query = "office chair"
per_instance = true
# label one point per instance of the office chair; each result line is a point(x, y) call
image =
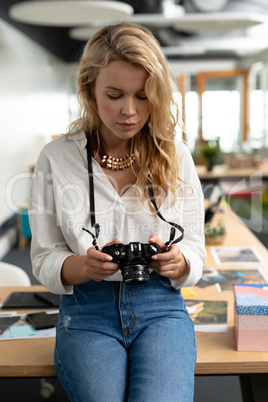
point(11, 275)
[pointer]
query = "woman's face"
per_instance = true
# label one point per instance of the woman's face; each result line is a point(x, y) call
point(121, 101)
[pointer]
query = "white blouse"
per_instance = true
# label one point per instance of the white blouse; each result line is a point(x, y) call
point(59, 209)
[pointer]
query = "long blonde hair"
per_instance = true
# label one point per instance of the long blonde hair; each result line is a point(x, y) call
point(154, 147)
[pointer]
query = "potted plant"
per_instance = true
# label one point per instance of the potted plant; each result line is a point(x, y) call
point(210, 152)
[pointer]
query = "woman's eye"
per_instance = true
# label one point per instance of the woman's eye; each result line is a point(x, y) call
point(142, 97)
point(114, 96)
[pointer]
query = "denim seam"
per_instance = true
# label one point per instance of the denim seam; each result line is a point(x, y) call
point(133, 318)
point(64, 374)
point(127, 331)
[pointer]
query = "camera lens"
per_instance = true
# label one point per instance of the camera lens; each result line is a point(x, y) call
point(136, 274)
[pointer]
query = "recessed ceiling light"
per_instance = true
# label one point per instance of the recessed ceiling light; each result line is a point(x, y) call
point(68, 13)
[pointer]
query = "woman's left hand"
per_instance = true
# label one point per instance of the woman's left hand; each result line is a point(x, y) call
point(170, 264)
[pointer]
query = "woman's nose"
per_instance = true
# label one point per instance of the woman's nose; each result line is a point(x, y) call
point(128, 108)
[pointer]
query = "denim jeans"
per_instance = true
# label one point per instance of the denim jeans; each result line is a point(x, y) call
point(118, 343)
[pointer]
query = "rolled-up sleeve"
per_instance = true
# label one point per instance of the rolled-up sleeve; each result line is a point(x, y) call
point(48, 246)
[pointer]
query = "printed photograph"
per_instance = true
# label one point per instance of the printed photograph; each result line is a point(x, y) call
point(208, 315)
point(225, 278)
point(236, 255)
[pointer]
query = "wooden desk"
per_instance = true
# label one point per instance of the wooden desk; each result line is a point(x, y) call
point(29, 357)
point(217, 354)
point(222, 172)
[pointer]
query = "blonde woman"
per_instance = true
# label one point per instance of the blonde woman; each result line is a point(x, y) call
point(120, 175)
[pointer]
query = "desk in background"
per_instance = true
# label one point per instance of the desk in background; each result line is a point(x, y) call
point(243, 188)
point(222, 172)
point(217, 354)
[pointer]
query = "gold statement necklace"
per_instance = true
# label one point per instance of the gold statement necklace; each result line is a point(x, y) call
point(108, 162)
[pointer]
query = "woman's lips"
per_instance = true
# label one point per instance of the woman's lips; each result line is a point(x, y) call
point(127, 126)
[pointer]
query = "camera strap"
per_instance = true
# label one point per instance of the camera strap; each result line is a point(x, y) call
point(96, 226)
point(174, 225)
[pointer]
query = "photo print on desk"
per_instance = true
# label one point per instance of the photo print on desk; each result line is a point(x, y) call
point(224, 278)
point(208, 315)
point(236, 255)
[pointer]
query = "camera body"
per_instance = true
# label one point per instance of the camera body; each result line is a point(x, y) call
point(133, 260)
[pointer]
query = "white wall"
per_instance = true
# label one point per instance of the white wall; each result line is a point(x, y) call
point(195, 67)
point(34, 101)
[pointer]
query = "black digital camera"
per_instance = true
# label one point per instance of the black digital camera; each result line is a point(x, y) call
point(132, 259)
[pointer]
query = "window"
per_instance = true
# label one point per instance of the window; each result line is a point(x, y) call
point(223, 108)
point(258, 105)
point(221, 112)
point(215, 108)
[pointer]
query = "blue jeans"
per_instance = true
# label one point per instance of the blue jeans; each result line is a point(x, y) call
point(118, 343)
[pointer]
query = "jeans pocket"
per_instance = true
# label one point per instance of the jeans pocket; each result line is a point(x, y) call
point(163, 281)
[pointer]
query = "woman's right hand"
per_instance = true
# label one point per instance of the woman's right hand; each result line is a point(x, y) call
point(95, 265)
point(99, 265)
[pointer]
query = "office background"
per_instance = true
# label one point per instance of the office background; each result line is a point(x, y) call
point(37, 101)
point(220, 62)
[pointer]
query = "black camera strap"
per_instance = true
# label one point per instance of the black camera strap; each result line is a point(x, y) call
point(96, 226)
point(174, 225)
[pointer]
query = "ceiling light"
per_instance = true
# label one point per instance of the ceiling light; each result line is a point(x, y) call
point(158, 20)
point(193, 22)
point(236, 44)
point(68, 13)
point(218, 21)
point(170, 9)
point(209, 5)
